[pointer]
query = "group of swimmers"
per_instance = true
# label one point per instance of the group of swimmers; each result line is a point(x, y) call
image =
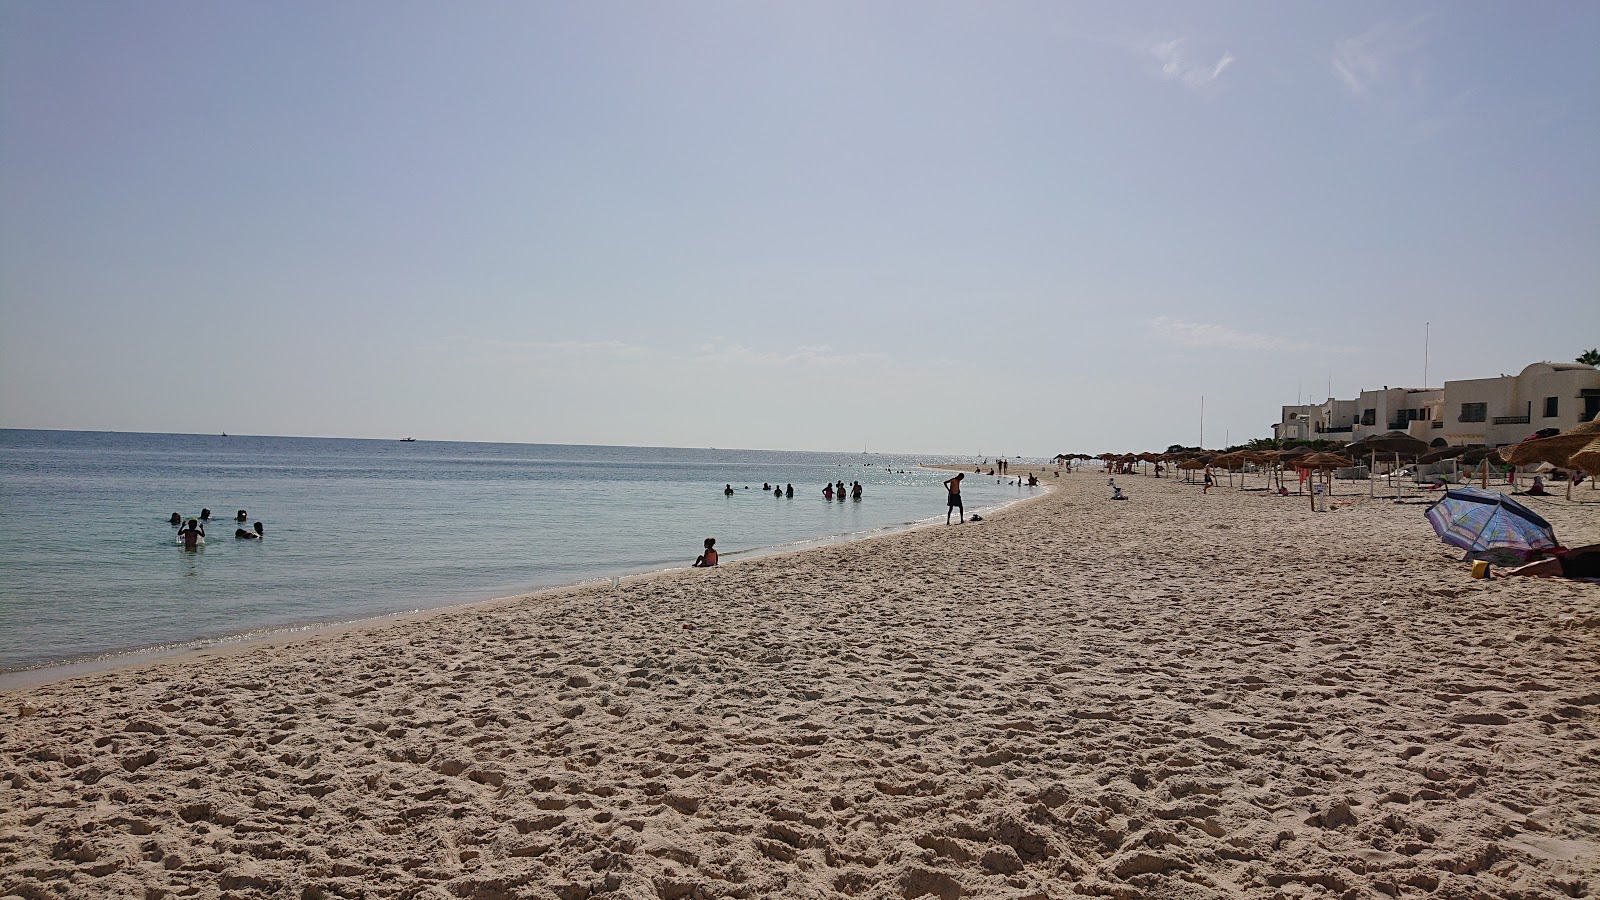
point(193, 532)
point(829, 491)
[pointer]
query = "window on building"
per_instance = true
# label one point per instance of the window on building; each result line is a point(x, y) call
point(1369, 416)
point(1551, 404)
point(1474, 412)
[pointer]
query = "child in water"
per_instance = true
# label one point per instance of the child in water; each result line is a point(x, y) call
point(192, 534)
point(709, 558)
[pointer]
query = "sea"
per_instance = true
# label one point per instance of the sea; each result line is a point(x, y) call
point(92, 573)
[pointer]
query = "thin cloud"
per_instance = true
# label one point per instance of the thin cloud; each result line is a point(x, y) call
point(563, 348)
point(819, 356)
point(1176, 67)
point(1204, 334)
point(1373, 59)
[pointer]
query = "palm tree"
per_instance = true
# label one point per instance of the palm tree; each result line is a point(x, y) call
point(1590, 358)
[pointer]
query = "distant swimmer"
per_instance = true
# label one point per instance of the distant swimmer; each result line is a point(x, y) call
point(765, 486)
point(241, 517)
point(709, 558)
point(953, 485)
point(788, 490)
point(255, 535)
point(176, 519)
point(777, 492)
point(205, 515)
point(728, 491)
point(191, 534)
point(827, 492)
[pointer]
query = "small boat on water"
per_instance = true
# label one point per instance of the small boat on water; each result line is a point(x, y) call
point(408, 440)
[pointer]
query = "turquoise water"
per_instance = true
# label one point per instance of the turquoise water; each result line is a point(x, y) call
point(358, 528)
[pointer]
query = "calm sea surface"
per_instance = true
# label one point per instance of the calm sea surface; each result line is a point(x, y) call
point(355, 528)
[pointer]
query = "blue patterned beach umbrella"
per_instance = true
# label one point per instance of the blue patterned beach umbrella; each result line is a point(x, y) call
point(1486, 523)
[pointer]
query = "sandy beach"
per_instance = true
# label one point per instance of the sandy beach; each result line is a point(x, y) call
point(1174, 696)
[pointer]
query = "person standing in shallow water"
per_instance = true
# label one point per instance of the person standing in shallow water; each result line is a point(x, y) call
point(191, 534)
point(953, 485)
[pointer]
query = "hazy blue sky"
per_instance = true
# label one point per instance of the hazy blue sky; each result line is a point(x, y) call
point(1012, 227)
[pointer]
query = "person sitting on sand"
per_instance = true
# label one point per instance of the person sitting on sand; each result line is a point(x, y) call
point(953, 501)
point(1579, 562)
point(1538, 487)
point(728, 491)
point(241, 517)
point(709, 558)
point(1116, 492)
point(191, 534)
point(176, 519)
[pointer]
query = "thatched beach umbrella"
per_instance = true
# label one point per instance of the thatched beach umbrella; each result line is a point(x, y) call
point(1558, 451)
point(1554, 450)
point(1587, 459)
point(1397, 442)
point(1441, 455)
point(1321, 462)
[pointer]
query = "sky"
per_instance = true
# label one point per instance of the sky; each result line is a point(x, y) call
point(966, 228)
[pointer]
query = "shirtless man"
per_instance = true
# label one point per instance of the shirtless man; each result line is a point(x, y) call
point(953, 485)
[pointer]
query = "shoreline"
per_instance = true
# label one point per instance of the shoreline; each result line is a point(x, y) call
point(1186, 695)
point(17, 680)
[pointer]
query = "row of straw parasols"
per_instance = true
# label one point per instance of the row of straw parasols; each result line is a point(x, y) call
point(1576, 449)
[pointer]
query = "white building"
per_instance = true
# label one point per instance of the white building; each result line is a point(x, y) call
point(1505, 410)
point(1329, 420)
point(1394, 409)
point(1490, 411)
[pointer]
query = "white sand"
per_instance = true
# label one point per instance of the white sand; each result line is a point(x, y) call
point(1176, 696)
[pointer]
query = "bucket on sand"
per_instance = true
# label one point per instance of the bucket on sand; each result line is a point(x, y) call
point(1480, 569)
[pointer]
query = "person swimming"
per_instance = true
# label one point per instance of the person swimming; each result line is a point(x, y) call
point(241, 517)
point(707, 559)
point(191, 534)
point(827, 492)
point(175, 519)
point(205, 515)
point(728, 491)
